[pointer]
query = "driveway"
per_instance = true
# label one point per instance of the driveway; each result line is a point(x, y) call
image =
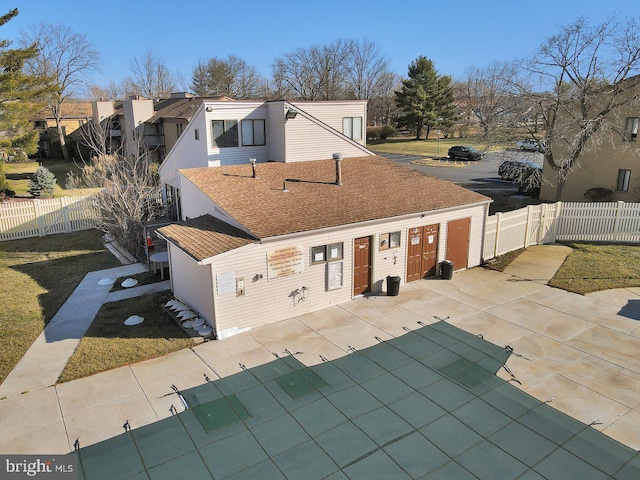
point(577, 353)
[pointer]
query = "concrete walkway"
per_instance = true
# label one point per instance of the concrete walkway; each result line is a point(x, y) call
point(49, 354)
point(538, 263)
point(579, 353)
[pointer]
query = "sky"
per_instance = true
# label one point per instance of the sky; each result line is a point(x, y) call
point(454, 34)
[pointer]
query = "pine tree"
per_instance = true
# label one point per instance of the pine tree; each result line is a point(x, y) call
point(425, 99)
point(42, 183)
point(20, 94)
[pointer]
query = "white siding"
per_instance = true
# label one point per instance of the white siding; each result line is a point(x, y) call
point(266, 301)
point(332, 113)
point(192, 283)
point(276, 121)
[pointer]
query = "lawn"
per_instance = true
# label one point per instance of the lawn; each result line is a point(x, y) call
point(429, 148)
point(38, 276)
point(590, 268)
point(109, 343)
point(19, 174)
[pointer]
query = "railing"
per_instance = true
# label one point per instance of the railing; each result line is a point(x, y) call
point(614, 222)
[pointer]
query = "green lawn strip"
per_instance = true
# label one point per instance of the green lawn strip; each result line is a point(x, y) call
point(144, 278)
point(594, 267)
point(38, 276)
point(429, 148)
point(109, 343)
point(503, 261)
point(18, 175)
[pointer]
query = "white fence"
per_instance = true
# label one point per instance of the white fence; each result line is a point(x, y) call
point(615, 222)
point(37, 218)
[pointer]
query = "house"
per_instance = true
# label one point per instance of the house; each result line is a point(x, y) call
point(613, 167)
point(262, 242)
point(74, 114)
point(225, 132)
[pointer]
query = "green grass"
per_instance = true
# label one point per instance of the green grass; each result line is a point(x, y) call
point(109, 343)
point(38, 276)
point(429, 148)
point(591, 268)
point(144, 278)
point(18, 175)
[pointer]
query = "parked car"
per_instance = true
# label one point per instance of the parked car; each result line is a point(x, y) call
point(531, 145)
point(465, 152)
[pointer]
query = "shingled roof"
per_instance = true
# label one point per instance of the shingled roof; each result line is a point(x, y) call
point(373, 188)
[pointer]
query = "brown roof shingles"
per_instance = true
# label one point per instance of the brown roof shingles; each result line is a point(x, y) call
point(205, 236)
point(373, 188)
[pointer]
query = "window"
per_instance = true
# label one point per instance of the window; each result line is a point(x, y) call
point(631, 129)
point(623, 180)
point(352, 127)
point(197, 134)
point(179, 129)
point(389, 240)
point(225, 133)
point(253, 133)
point(324, 253)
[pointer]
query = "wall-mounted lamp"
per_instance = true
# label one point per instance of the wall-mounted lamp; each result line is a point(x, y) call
point(209, 108)
point(289, 114)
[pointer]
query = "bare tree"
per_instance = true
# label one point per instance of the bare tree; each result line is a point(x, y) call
point(67, 57)
point(382, 108)
point(130, 195)
point(150, 77)
point(232, 77)
point(366, 70)
point(112, 92)
point(587, 74)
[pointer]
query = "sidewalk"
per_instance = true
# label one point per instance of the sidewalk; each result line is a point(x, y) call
point(49, 354)
point(538, 263)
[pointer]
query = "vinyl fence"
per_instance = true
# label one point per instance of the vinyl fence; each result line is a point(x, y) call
point(613, 222)
point(37, 218)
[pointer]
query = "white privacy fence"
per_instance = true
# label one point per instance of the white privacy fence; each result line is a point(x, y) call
point(40, 217)
point(615, 222)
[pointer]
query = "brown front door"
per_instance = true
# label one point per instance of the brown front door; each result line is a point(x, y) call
point(458, 242)
point(361, 266)
point(422, 250)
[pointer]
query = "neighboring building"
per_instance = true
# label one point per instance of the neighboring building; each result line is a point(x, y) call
point(226, 132)
point(75, 114)
point(614, 165)
point(263, 243)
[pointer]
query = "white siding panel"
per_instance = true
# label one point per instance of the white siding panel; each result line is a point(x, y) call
point(332, 113)
point(266, 301)
point(275, 137)
point(192, 283)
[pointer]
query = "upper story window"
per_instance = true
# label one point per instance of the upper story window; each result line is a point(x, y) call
point(631, 129)
point(622, 184)
point(253, 132)
point(352, 127)
point(224, 133)
point(179, 129)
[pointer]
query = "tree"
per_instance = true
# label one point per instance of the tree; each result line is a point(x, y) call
point(130, 196)
point(112, 91)
point(588, 75)
point(20, 95)
point(150, 77)
point(382, 109)
point(231, 77)
point(426, 98)
point(366, 70)
point(42, 183)
point(67, 58)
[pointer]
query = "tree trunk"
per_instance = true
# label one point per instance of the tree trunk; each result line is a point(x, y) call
point(560, 183)
point(63, 143)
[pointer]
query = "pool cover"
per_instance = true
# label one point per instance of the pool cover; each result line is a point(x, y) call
point(426, 404)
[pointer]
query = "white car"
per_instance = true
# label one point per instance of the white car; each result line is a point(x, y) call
point(531, 145)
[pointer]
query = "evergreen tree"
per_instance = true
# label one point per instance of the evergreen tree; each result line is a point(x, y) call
point(425, 99)
point(42, 183)
point(5, 186)
point(20, 94)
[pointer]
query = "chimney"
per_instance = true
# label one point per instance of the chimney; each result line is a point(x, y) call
point(338, 159)
point(253, 168)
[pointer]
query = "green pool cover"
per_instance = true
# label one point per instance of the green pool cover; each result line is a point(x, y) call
point(423, 405)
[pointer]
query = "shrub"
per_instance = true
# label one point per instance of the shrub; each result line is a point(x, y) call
point(5, 186)
point(599, 194)
point(373, 133)
point(387, 131)
point(42, 183)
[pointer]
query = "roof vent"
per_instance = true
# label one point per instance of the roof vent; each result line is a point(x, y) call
point(338, 159)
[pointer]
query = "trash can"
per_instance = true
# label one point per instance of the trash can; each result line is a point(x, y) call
point(446, 269)
point(393, 286)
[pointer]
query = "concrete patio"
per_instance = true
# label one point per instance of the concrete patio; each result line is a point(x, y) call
point(577, 353)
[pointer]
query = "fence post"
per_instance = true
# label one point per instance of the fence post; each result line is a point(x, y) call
point(556, 221)
point(64, 202)
point(37, 212)
point(526, 229)
point(616, 222)
point(495, 247)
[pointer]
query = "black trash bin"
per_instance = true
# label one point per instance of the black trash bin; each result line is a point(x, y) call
point(393, 286)
point(446, 269)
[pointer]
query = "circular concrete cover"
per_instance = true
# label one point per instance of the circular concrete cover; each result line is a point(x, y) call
point(129, 282)
point(107, 281)
point(204, 330)
point(187, 314)
point(133, 320)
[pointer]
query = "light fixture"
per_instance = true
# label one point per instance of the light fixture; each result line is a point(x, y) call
point(290, 114)
point(209, 108)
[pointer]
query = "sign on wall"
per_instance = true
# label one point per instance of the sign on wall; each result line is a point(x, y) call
point(334, 275)
point(226, 283)
point(285, 261)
